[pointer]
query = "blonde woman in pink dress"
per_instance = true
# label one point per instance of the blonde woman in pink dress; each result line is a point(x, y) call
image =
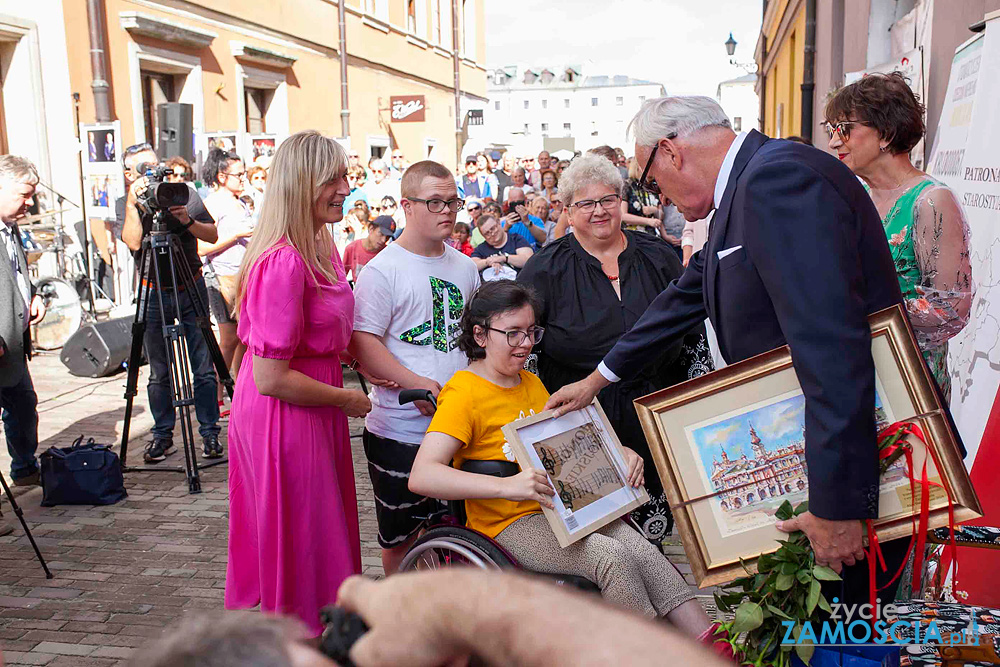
point(293, 517)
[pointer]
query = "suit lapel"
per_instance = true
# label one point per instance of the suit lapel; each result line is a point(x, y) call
point(720, 221)
point(7, 267)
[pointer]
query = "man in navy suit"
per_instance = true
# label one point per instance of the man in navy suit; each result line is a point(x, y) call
point(795, 254)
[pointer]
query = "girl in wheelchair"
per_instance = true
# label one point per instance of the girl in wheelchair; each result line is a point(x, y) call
point(498, 332)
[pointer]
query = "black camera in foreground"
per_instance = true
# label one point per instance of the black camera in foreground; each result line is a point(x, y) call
point(160, 195)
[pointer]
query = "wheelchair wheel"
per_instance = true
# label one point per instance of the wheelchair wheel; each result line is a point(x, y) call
point(448, 546)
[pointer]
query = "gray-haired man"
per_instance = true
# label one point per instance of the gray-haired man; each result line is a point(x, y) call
point(793, 229)
point(19, 308)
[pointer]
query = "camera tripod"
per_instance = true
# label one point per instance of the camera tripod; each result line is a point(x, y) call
point(161, 250)
point(24, 524)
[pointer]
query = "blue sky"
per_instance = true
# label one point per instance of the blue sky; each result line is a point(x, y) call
point(777, 425)
point(678, 43)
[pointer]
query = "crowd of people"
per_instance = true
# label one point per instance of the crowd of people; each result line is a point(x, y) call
point(519, 284)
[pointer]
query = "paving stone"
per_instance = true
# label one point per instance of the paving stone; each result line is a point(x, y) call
point(112, 652)
point(65, 649)
point(22, 658)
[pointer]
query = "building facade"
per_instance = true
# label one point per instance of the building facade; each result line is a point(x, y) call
point(849, 37)
point(738, 98)
point(556, 108)
point(36, 107)
point(246, 67)
point(251, 67)
point(769, 474)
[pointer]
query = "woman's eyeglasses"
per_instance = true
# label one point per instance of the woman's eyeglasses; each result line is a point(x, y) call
point(439, 205)
point(842, 129)
point(516, 337)
point(588, 206)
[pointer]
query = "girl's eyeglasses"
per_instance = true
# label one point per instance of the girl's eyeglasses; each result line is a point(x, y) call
point(517, 337)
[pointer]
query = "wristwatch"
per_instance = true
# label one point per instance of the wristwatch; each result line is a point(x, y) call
point(505, 258)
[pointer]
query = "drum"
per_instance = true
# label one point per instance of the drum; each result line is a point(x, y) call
point(63, 313)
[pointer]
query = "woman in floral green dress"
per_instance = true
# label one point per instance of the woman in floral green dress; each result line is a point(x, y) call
point(873, 124)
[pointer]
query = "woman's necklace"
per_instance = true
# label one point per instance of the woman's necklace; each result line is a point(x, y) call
point(614, 278)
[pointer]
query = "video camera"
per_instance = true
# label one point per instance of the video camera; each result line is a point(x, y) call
point(160, 195)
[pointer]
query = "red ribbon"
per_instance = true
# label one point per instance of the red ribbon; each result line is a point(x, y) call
point(918, 536)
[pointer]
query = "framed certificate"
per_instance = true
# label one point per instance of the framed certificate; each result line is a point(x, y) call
point(730, 449)
point(583, 459)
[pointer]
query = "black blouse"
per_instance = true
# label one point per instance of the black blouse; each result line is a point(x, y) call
point(582, 315)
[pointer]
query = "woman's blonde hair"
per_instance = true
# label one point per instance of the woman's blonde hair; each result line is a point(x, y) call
point(304, 163)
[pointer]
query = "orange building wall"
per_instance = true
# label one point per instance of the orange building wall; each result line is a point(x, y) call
point(382, 61)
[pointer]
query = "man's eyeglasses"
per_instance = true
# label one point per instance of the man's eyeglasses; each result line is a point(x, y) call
point(237, 174)
point(439, 205)
point(517, 337)
point(843, 128)
point(588, 206)
point(652, 187)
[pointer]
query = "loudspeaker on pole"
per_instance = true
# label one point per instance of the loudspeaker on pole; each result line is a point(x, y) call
point(175, 135)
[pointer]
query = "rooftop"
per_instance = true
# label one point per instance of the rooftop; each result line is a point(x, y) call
point(520, 77)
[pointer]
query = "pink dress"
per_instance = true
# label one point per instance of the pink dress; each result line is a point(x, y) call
point(293, 513)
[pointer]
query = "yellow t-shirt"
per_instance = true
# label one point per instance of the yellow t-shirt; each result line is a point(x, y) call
point(473, 410)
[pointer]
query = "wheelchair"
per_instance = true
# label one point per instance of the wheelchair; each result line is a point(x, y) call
point(450, 543)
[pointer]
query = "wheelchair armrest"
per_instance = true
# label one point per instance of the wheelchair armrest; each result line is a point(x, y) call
point(492, 468)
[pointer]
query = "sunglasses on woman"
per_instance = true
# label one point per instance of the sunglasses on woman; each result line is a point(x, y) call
point(842, 129)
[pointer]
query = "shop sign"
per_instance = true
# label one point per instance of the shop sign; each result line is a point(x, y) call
point(407, 108)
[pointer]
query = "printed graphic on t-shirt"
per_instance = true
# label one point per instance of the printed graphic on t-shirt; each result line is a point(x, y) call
point(442, 330)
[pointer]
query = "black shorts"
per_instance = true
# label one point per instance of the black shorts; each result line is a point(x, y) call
point(399, 511)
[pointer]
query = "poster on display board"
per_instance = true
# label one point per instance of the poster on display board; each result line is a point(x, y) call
point(103, 179)
point(968, 150)
point(945, 162)
point(261, 149)
point(911, 66)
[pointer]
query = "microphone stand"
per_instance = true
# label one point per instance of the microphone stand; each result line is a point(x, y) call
point(85, 237)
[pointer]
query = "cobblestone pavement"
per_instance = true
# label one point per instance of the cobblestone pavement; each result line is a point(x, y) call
point(126, 571)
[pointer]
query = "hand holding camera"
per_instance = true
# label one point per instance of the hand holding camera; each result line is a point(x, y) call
point(137, 189)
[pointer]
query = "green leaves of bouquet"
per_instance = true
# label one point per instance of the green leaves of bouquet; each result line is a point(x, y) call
point(785, 588)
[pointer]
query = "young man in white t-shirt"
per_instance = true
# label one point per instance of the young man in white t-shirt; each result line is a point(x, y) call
point(408, 303)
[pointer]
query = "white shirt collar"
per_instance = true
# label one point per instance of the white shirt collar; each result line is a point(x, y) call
point(727, 167)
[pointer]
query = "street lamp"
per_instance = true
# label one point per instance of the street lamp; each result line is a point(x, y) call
point(750, 67)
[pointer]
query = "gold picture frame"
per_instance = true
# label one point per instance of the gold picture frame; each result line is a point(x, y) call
point(724, 499)
point(582, 456)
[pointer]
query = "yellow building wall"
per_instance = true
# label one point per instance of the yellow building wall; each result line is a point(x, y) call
point(783, 82)
point(382, 61)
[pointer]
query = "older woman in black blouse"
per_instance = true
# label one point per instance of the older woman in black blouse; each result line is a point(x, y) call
point(594, 284)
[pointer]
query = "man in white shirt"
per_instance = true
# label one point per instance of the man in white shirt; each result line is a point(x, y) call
point(408, 302)
point(19, 308)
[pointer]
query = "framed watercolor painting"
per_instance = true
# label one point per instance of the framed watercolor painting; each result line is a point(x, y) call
point(583, 459)
point(730, 449)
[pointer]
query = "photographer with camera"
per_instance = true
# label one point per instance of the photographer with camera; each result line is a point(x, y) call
point(191, 222)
